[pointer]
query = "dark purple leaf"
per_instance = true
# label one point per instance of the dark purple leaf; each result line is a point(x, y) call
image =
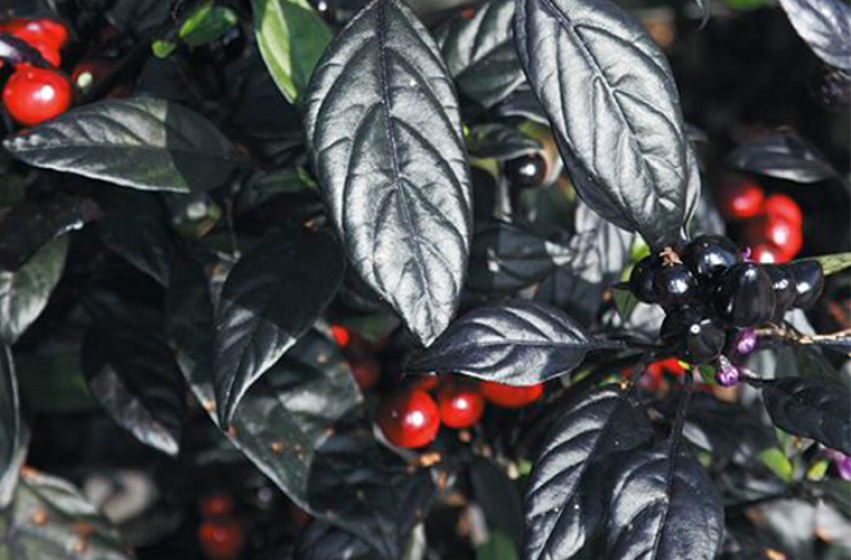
point(826, 27)
point(607, 90)
point(565, 499)
point(810, 407)
point(784, 155)
point(515, 342)
point(271, 297)
point(385, 135)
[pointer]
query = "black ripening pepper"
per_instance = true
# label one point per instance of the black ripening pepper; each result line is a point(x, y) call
point(674, 285)
point(641, 280)
point(809, 282)
point(696, 338)
point(709, 294)
point(709, 256)
point(745, 296)
point(784, 284)
point(527, 171)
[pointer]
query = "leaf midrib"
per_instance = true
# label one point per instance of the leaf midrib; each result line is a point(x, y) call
point(381, 37)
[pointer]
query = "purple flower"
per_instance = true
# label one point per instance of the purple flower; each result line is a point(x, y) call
point(842, 463)
point(746, 342)
point(728, 374)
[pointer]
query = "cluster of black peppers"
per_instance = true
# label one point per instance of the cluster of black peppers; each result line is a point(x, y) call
point(710, 292)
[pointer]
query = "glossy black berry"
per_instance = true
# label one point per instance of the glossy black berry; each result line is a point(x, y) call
point(809, 282)
point(745, 296)
point(641, 280)
point(696, 339)
point(526, 171)
point(674, 285)
point(785, 292)
point(709, 256)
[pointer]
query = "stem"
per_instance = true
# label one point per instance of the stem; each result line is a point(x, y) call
point(682, 406)
point(789, 334)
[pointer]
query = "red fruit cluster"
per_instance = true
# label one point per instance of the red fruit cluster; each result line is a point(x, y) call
point(32, 94)
point(510, 396)
point(46, 36)
point(412, 417)
point(220, 535)
point(772, 225)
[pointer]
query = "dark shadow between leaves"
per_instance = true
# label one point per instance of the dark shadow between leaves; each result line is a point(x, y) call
point(31, 224)
point(198, 170)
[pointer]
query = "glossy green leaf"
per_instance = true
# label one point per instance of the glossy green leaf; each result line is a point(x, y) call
point(207, 24)
point(162, 48)
point(834, 263)
point(291, 36)
point(779, 464)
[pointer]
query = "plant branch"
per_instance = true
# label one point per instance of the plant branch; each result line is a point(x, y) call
point(792, 335)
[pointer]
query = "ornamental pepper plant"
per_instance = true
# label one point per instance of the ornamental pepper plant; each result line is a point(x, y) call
point(408, 280)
